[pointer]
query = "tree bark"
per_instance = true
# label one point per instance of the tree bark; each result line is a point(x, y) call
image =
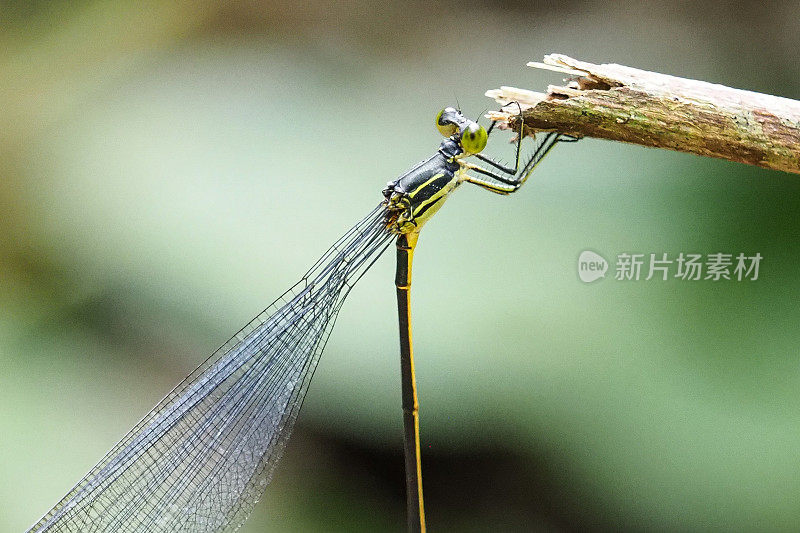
point(636, 106)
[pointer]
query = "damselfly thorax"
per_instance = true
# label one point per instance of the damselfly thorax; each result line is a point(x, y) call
point(413, 198)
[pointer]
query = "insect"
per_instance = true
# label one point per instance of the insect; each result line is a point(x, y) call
point(202, 457)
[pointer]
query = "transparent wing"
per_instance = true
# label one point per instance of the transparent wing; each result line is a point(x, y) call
point(203, 456)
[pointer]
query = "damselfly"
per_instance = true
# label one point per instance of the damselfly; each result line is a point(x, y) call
point(204, 455)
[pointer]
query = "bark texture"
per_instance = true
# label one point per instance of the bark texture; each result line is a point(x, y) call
point(636, 106)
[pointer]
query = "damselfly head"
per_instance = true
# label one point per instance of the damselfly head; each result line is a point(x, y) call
point(470, 135)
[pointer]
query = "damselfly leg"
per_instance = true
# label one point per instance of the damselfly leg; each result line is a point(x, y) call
point(506, 179)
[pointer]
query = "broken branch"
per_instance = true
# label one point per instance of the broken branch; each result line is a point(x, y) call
point(636, 106)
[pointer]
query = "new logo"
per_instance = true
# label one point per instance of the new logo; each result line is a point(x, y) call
point(591, 266)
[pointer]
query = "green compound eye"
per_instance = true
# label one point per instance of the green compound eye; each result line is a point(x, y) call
point(474, 138)
point(447, 129)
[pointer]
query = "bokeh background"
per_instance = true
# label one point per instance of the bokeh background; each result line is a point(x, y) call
point(168, 169)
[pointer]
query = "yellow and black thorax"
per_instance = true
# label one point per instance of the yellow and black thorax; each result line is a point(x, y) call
point(413, 198)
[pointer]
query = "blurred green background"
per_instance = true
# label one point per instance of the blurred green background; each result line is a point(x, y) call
point(168, 169)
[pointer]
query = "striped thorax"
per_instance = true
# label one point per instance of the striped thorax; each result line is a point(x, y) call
point(413, 198)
